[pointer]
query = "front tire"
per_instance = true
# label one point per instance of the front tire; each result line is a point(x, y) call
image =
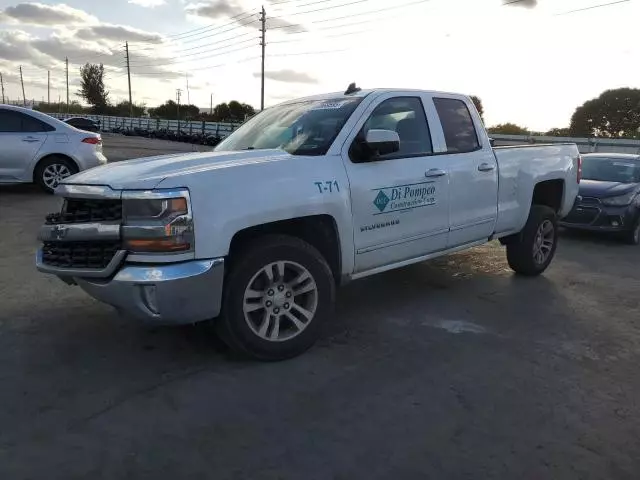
point(532, 253)
point(51, 171)
point(633, 235)
point(277, 295)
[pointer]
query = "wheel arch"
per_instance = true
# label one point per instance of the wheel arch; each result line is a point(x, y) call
point(49, 156)
point(320, 231)
point(549, 193)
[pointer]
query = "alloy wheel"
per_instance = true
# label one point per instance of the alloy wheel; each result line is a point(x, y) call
point(280, 301)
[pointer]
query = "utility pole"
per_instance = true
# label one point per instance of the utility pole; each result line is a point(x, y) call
point(188, 95)
point(126, 47)
point(48, 87)
point(263, 28)
point(2, 85)
point(211, 105)
point(66, 63)
point(178, 93)
point(24, 99)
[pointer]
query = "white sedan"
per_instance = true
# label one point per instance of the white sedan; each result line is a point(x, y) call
point(37, 148)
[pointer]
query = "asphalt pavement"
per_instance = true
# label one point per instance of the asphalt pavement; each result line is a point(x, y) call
point(451, 369)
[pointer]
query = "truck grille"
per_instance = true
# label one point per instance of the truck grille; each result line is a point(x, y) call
point(81, 210)
point(582, 215)
point(92, 254)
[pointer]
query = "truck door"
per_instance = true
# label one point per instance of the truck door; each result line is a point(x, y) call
point(473, 171)
point(400, 201)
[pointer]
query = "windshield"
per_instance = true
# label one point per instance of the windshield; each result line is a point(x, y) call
point(303, 128)
point(610, 170)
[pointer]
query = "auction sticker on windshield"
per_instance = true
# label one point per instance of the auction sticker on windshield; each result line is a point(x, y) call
point(404, 197)
point(331, 105)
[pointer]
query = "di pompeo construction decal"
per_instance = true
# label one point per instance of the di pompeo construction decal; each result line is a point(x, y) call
point(404, 197)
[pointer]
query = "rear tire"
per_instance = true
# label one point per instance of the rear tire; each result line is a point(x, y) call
point(51, 171)
point(278, 293)
point(535, 247)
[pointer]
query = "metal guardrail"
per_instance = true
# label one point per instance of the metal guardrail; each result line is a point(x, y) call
point(218, 129)
point(222, 129)
point(585, 145)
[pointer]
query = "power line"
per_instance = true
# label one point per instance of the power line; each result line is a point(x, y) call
point(306, 4)
point(592, 7)
point(219, 42)
point(234, 26)
point(201, 68)
point(188, 32)
point(331, 7)
point(196, 59)
point(165, 60)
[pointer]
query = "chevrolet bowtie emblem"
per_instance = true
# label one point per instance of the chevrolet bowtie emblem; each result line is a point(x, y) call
point(58, 232)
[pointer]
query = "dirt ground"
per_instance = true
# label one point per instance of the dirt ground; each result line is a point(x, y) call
point(451, 369)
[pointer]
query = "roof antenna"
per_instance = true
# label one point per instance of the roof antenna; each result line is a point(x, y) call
point(352, 89)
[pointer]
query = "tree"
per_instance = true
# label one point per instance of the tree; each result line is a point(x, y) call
point(508, 129)
point(233, 111)
point(615, 113)
point(169, 110)
point(478, 103)
point(92, 87)
point(122, 109)
point(221, 112)
point(558, 132)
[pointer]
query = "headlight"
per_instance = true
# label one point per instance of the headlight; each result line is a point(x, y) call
point(620, 200)
point(157, 221)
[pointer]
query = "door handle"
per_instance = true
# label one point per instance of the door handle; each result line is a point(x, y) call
point(30, 139)
point(434, 172)
point(486, 167)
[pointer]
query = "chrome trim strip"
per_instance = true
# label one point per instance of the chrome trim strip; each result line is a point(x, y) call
point(160, 258)
point(115, 262)
point(402, 241)
point(422, 258)
point(158, 194)
point(103, 192)
point(78, 232)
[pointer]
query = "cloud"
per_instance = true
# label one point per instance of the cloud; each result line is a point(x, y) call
point(288, 76)
point(285, 25)
point(520, 3)
point(216, 9)
point(48, 15)
point(117, 33)
point(148, 3)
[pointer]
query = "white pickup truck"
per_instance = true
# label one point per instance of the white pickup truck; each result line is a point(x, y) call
point(305, 196)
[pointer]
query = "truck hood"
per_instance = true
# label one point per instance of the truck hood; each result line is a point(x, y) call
point(601, 189)
point(147, 173)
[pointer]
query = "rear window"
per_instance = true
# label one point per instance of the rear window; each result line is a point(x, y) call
point(457, 124)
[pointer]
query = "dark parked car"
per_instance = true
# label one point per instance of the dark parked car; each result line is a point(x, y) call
point(609, 196)
point(82, 123)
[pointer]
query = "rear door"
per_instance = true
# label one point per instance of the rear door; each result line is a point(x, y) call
point(21, 137)
point(400, 201)
point(472, 168)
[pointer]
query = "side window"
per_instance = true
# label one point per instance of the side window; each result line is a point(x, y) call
point(16, 122)
point(404, 115)
point(457, 124)
point(30, 124)
point(10, 122)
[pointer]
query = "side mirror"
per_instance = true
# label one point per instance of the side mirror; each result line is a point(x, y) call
point(492, 142)
point(383, 142)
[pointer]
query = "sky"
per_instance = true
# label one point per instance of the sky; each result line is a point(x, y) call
point(532, 62)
